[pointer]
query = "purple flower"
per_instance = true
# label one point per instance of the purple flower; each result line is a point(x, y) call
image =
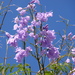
point(22, 12)
point(67, 60)
point(64, 37)
point(45, 42)
point(73, 51)
point(28, 48)
point(73, 37)
point(21, 53)
point(52, 53)
point(8, 35)
point(35, 23)
point(30, 27)
point(18, 49)
point(45, 27)
point(12, 42)
point(27, 18)
point(22, 34)
point(47, 37)
point(49, 14)
point(31, 34)
point(73, 59)
point(43, 16)
point(24, 21)
point(72, 73)
point(15, 27)
point(35, 1)
point(69, 34)
point(31, 6)
point(34, 36)
point(16, 20)
point(19, 9)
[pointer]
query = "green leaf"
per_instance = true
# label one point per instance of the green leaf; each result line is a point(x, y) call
point(6, 69)
point(11, 68)
point(1, 63)
point(48, 73)
point(1, 68)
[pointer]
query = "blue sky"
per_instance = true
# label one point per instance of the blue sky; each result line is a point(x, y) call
point(64, 8)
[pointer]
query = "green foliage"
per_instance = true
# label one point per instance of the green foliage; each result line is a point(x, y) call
point(14, 69)
point(60, 67)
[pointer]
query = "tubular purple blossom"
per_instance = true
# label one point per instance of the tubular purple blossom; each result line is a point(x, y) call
point(67, 60)
point(73, 59)
point(73, 73)
point(22, 12)
point(35, 1)
point(22, 34)
point(21, 53)
point(8, 35)
point(73, 51)
point(35, 23)
point(12, 42)
point(53, 53)
point(19, 9)
point(73, 37)
point(43, 16)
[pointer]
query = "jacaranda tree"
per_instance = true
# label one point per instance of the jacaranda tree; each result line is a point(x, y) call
point(32, 31)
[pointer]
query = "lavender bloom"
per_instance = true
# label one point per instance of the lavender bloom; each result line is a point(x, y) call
point(31, 34)
point(69, 34)
point(27, 18)
point(45, 27)
point(49, 14)
point(16, 37)
point(73, 51)
point(28, 48)
point(34, 36)
point(15, 27)
point(35, 1)
point(22, 34)
point(73, 59)
point(22, 12)
point(12, 42)
point(50, 34)
point(16, 20)
point(31, 6)
point(64, 37)
point(8, 35)
point(35, 23)
point(73, 37)
point(43, 16)
point(67, 60)
point(30, 27)
point(19, 56)
point(19, 9)
point(73, 73)
point(18, 49)
point(45, 42)
point(21, 53)
point(24, 21)
point(47, 37)
point(53, 53)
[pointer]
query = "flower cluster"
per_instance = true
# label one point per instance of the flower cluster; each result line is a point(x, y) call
point(26, 27)
point(22, 53)
point(69, 37)
point(72, 72)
